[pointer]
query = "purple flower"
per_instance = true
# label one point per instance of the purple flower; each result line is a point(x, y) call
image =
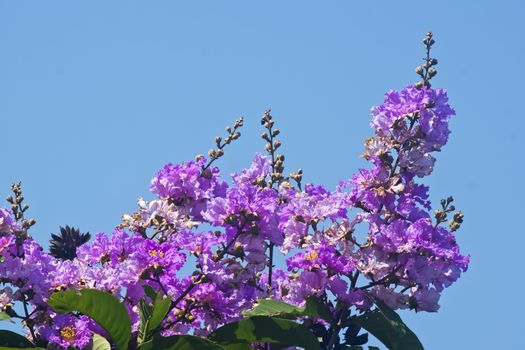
point(309, 208)
point(6, 298)
point(68, 331)
point(391, 115)
point(249, 208)
point(188, 181)
point(259, 169)
point(425, 299)
point(7, 223)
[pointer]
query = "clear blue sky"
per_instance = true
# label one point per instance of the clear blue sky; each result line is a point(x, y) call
point(95, 96)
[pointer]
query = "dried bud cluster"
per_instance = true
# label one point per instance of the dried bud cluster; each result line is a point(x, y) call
point(427, 71)
point(441, 216)
point(297, 176)
point(276, 177)
point(18, 207)
point(233, 134)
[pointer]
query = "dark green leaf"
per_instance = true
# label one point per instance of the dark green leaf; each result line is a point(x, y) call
point(102, 307)
point(14, 340)
point(181, 342)
point(100, 343)
point(267, 330)
point(240, 346)
point(314, 308)
point(386, 325)
point(150, 292)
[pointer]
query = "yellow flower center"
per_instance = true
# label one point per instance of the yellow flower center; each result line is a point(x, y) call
point(155, 253)
point(68, 333)
point(311, 256)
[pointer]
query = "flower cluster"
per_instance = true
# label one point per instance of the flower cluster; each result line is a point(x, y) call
point(373, 235)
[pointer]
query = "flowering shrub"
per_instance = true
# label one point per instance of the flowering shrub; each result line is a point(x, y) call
point(353, 254)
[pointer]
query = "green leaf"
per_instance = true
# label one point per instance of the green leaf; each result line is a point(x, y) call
point(181, 342)
point(13, 340)
point(152, 316)
point(145, 311)
point(100, 343)
point(314, 308)
point(267, 330)
point(386, 325)
point(160, 310)
point(102, 307)
point(4, 316)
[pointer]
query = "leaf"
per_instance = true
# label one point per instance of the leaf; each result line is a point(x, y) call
point(160, 310)
point(4, 316)
point(181, 342)
point(239, 346)
point(150, 292)
point(314, 308)
point(386, 325)
point(267, 330)
point(100, 343)
point(145, 311)
point(152, 316)
point(14, 340)
point(102, 307)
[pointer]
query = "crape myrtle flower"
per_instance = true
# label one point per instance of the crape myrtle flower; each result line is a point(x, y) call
point(307, 210)
point(6, 298)
point(404, 250)
point(124, 260)
point(159, 213)
point(258, 171)
point(6, 244)
point(31, 273)
point(8, 224)
point(188, 184)
point(67, 331)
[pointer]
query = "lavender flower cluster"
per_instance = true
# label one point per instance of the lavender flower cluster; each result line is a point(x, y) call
point(372, 235)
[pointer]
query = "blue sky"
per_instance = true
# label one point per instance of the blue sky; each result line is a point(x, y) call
point(96, 96)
